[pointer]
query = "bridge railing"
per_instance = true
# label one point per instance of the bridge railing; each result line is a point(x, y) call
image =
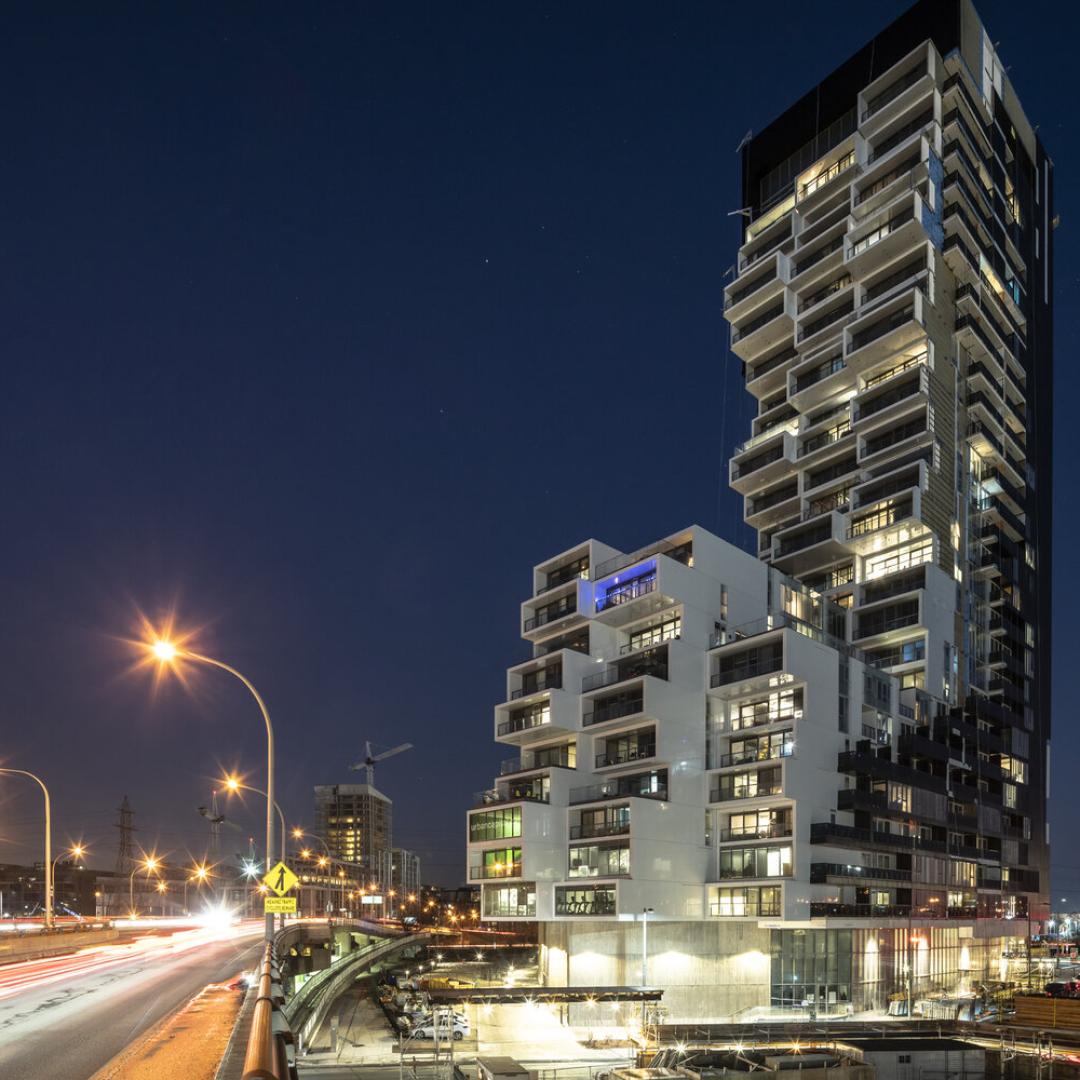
point(270, 1052)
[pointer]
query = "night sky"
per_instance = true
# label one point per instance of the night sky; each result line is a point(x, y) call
point(321, 327)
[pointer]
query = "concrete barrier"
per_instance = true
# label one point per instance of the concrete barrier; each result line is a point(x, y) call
point(15, 946)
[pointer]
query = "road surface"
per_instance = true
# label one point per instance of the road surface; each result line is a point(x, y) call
point(68, 1016)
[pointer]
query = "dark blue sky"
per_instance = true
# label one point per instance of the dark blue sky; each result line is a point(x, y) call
point(325, 325)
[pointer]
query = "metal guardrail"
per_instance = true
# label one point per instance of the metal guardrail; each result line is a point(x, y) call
point(308, 1008)
point(270, 1053)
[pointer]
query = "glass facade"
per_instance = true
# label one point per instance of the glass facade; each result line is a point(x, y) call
point(599, 860)
point(510, 901)
point(811, 969)
point(501, 824)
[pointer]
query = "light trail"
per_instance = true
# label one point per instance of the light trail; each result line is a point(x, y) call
point(33, 974)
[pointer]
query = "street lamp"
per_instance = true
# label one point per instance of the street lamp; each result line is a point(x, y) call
point(199, 874)
point(48, 842)
point(233, 784)
point(150, 865)
point(167, 652)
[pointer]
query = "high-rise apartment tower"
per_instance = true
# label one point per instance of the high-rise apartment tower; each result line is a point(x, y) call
point(819, 773)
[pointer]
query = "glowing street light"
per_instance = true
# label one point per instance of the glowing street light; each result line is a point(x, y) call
point(48, 841)
point(150, 864)
point(234, 785)
point(167, 652)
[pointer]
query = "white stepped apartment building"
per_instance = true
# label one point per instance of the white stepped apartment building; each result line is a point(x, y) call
point(818, 774)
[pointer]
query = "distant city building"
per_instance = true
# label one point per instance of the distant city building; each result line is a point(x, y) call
point(356, 821)
point(400, 875)
point(818, 773)
point(22, 890)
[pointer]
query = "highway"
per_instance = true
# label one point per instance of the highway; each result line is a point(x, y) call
point(69, 1016)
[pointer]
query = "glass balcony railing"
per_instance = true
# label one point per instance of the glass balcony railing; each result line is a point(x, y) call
point(623, 755)
point(567, 605)
point(738, 333)
point(594, 830)
point(584, 902)
point(768, 909)
point(777, 831)
point(749, 757)
point(652, 661)
point(604, 710)
point(630, 590)
point(482, 872)
point(831, 173)
point(549, 678)
point(892, 92)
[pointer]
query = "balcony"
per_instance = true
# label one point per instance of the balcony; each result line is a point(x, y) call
point(820, 295)
point(885, 97)
point(760, 372)
point(764, 331)
point(751, 757)
point(532, 716)
point(489, 872)
point(583, 902)
point(822, 179)
point(824, 873)
point(624, 755)
point(557, 757)
point(765, 662)
point(614, 708)
point(883, 517)
point(770, 832)
point(900, 136)
point(551, 613)
point(652, 661)
point(757, 287)
point(599, 830)
point(818, 255)
point(858, 911)
point(651, 785)
point(824, 439)
point(737, 908)
point(850, 835)
point(885, 440)
point(535, 682)
point(563, 575)
point(760, 785)
point(630, 590)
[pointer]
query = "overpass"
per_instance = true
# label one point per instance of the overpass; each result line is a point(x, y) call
point(274, 1024)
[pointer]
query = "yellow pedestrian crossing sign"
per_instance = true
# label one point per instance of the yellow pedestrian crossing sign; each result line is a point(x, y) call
point(281, 879)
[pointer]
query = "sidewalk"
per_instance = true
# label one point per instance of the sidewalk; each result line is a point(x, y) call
point(187, 1045)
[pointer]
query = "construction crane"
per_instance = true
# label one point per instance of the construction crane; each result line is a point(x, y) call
point(368, 764)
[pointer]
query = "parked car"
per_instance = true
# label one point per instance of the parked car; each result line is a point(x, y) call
point(457, 1029)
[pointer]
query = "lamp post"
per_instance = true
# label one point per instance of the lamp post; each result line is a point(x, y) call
point(167, 653)
point(234, 784)
point(645, 913)
point(48, 842)
point(199, 874)
point(76, 851)
point(149, 865)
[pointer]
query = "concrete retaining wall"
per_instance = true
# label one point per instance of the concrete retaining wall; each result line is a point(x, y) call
point(709, 971)
point(15, 946)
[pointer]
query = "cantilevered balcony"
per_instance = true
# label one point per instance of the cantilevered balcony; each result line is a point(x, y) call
point(646, 785)
point(751, 784)
point(554, 713)
point(904, 87)
point(812, 542)
point(886, 236)
point(763, 329)
point(554, 611)
point(626, 748)
point(764, 463)
point(758, 288)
